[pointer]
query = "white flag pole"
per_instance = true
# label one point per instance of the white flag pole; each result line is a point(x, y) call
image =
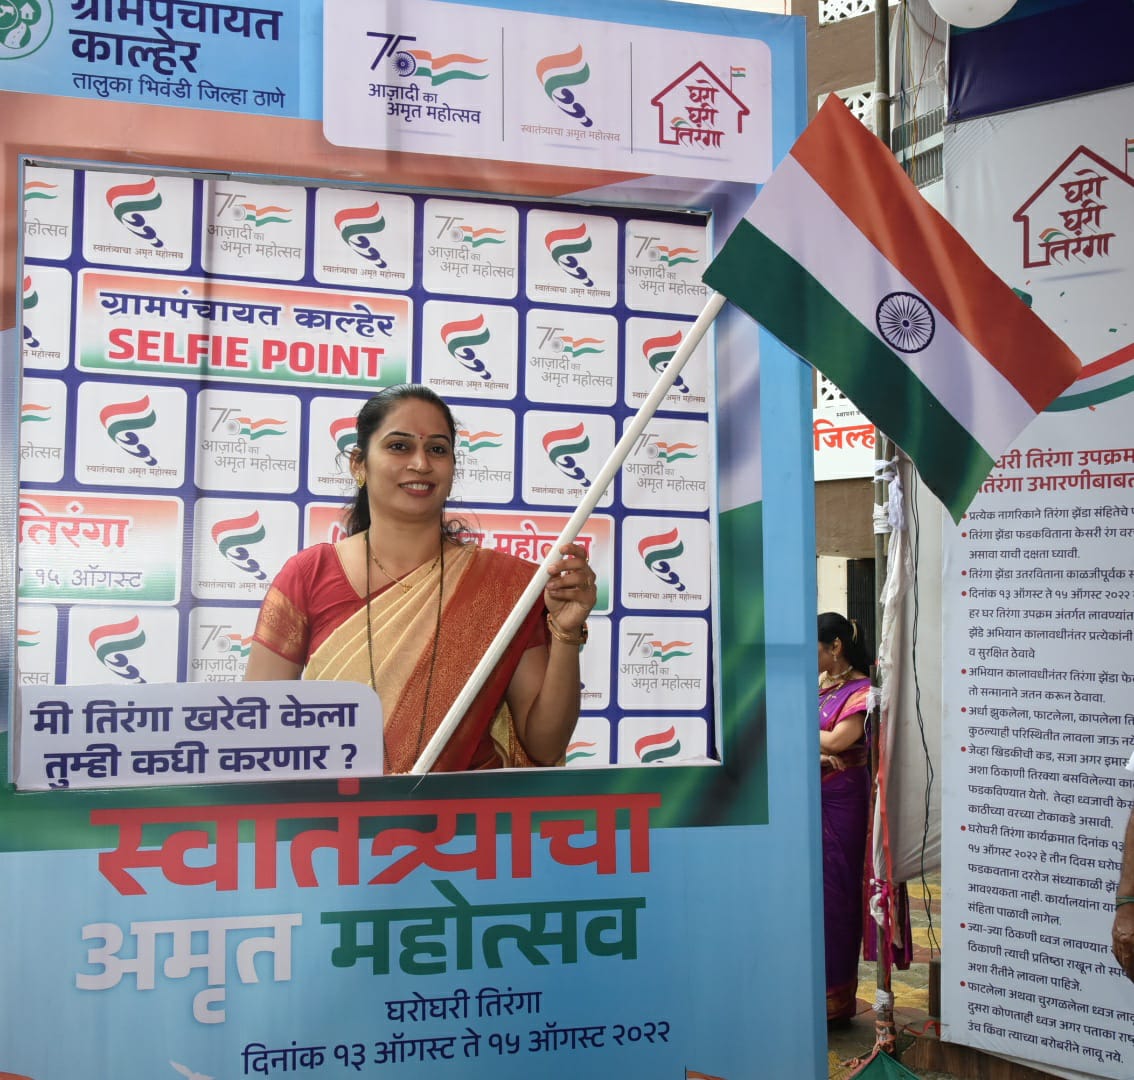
point(595, 492)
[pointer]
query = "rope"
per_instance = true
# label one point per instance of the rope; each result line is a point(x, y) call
point(885, 1033)
point(889, 516)
point(930, 1025)
point(881, 520)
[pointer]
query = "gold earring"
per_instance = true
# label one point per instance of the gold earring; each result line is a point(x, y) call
point(360, 480)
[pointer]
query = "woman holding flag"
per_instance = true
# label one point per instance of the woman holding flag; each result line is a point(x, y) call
point(408, 605)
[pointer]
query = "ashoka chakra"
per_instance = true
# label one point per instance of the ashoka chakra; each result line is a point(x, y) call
point(905, 322)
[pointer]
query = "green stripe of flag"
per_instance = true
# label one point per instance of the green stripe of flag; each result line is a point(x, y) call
point(783, 297)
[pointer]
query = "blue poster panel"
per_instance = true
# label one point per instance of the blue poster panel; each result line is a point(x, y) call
point(227, 244)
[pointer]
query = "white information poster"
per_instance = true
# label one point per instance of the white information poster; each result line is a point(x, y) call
point(1039, 613)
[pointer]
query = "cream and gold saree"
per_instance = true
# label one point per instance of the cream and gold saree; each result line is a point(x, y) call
point(425, 636)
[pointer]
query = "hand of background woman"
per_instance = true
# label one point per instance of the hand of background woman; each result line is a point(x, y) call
point(832, 761)
point(1123, 938)
point(570, 593)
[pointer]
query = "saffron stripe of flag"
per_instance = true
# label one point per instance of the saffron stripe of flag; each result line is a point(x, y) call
point(842, 259)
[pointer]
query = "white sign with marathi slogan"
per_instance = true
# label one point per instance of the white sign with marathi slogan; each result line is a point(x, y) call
point(160, 734)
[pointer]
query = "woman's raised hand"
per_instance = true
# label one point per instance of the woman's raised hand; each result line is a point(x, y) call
point(571, 591)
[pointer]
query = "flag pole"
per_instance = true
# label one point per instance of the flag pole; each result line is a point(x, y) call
point(602, 480)
point(885, 1034)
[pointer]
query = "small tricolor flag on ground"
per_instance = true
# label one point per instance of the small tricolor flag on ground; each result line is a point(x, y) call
point(846, 263)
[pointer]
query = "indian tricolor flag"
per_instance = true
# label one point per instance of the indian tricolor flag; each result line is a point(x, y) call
point(846, 263)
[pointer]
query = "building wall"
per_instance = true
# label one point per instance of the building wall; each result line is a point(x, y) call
point(839, 54)
point(844, 518)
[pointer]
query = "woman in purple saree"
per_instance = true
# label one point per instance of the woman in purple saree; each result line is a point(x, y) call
point(844, 690)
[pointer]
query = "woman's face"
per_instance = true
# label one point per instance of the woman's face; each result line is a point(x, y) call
point(409, 463)
point(830, 657)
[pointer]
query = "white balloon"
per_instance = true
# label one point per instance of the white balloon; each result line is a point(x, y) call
point(971, 13)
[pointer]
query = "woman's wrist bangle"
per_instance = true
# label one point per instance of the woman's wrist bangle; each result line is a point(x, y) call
point(1120, 900)
point(559, 634)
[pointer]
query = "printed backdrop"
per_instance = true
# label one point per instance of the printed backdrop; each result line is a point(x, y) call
point(195, 352)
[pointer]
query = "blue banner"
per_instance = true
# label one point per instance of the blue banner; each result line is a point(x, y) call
point(1043, 50)
point(607, 921)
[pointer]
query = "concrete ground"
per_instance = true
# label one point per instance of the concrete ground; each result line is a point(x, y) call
point(918, 1047)
point(848, 1045)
